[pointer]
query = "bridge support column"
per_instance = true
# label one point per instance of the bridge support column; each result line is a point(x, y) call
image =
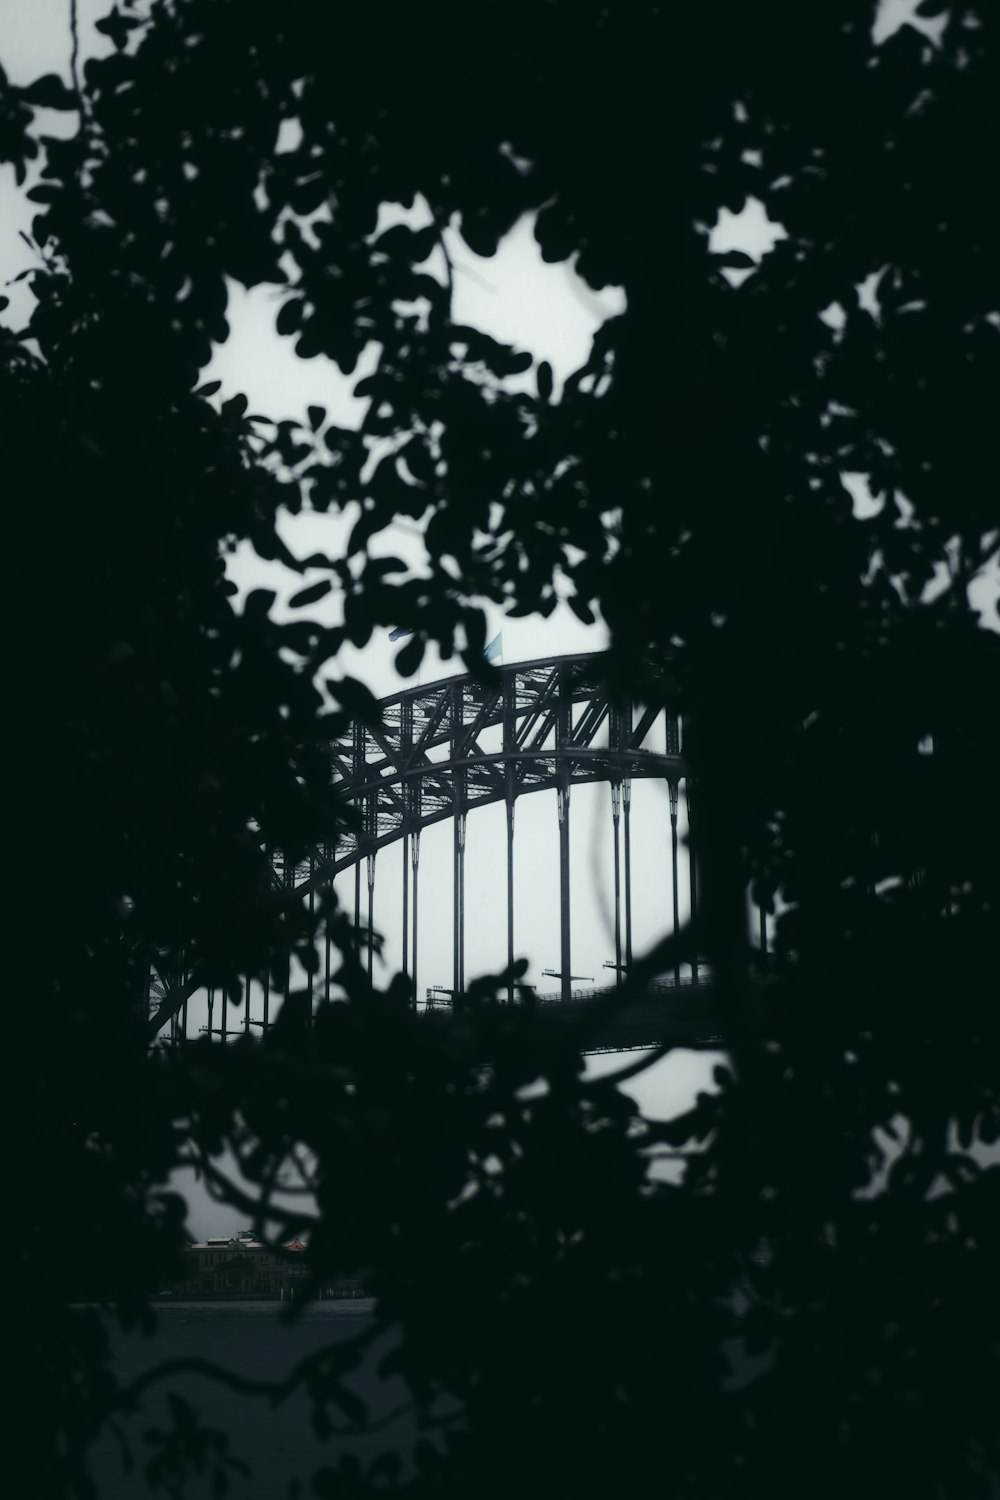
point(246, 1011)
point(288, 880)
point(406, 903)
point(510, 897)
point(458, 933)
point(415, 861)
point(673, 874)
point(178, 1019)
point(455, 905)
point(616, 803)
point(509, 749)
point(266, 999)
point(457, 735)
point(406, 745)
point(566, 964)
point(461, 930)
point(627, 803)
point(693, 882)
point(330, 854)
point(359, 756)
point(627, 732)
point(357, 904)
point(371, 914)
point(312, 941)
point(763, 930)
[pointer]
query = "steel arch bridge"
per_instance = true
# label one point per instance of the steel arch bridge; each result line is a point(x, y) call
point(443, 750)
point(440, 751)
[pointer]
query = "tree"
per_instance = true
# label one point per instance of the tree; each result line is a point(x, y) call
point(839, 715)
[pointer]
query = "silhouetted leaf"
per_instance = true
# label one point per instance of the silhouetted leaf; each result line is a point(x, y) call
point(738, 259)
point(258, 603)
point(358, 700)
point(310, 594)
point(50, 92)
point(409, 657)
point(289, 318)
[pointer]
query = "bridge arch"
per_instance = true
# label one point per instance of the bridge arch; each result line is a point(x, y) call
point(439, 751)
point(442, 750)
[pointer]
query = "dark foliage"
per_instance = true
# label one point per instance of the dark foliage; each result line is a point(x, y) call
point(840, 723)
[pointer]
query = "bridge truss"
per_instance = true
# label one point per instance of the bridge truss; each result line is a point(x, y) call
point(440, 751)
point(443, 750)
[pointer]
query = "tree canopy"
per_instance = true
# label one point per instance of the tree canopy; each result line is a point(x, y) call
point(688, 485)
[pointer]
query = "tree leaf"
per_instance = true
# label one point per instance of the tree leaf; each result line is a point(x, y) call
point(289, 319)
point(409, 657)
point(310, 594)
point(258, 603)
point(50, 92)
point(359, 700)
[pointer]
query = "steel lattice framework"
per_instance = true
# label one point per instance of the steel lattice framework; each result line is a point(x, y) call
point(433, 757)
point(439, 751)
point(442, 750)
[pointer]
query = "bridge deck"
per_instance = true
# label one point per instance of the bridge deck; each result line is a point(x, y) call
point(687, 1015)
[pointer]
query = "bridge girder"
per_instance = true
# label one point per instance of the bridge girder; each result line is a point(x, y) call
point(439, 751)
point(430, 756)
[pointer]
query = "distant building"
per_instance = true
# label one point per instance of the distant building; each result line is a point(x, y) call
point(240, 1267)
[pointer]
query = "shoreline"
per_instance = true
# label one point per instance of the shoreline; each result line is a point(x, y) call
point(167, 1299)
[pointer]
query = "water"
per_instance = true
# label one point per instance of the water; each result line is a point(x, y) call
point(278, 1443)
